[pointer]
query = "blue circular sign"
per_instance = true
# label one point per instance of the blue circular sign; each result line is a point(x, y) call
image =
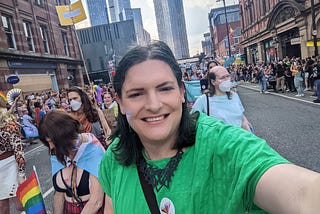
point(13, 79)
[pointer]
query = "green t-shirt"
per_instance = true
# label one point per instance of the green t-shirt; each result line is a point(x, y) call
point(216, 175)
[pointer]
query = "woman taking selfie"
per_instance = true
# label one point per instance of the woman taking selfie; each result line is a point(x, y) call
point(163, 158)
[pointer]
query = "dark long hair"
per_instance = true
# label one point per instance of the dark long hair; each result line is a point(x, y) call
point(128, 150)
point(62, 129)
point(90, 112)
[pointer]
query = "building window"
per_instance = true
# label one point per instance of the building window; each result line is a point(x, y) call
point(44, 37)
point(38, 2)
point(7, 25)
point(235, 40)
point(102, 65)
point(89, 65)
point(28, 34)
point(65, 44)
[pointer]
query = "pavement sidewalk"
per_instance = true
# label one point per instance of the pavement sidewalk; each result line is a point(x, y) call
point(289, 95)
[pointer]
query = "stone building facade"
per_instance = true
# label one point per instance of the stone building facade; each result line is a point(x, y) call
point(36, 48)
point(274, 29)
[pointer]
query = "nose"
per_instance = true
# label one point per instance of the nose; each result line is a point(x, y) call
point(153, 102)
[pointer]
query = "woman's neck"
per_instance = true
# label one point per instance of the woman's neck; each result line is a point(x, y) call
point(220, 93)
point(77, 143)
point(159, 151)
point(106, 105)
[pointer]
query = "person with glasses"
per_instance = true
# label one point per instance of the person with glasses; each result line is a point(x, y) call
point(220, 102)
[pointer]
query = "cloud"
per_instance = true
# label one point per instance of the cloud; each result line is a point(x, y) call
point(196, 17)
point(202, 4)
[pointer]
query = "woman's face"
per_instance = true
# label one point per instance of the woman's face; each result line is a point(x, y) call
point(107, 99)
point(74, 96)
point(152, 101)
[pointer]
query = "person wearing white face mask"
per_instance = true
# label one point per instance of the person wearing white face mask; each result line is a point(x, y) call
point(83, 111)
point(220, 101)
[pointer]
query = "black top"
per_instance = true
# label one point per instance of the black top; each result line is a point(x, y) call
point(82, 188)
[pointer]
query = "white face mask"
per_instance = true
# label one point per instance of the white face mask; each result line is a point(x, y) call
point(225, 86)
point(75, 105)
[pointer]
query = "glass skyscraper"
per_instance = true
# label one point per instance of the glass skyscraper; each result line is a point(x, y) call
point(172, 26)
point(116, 7)
point(98, 12)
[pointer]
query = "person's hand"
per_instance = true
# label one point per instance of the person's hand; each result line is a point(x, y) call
point(21, 180)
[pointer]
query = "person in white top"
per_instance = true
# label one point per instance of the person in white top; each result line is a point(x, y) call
point(220, 101)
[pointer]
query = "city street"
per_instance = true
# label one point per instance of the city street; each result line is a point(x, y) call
point(290, 126)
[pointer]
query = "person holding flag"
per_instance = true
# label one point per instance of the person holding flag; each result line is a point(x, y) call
point(29, 193)
point(12, 161)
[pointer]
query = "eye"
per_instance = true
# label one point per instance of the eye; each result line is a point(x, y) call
point(133, 95)
point(168, 88)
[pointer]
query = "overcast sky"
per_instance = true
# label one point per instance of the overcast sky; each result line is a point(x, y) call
point(196, 16)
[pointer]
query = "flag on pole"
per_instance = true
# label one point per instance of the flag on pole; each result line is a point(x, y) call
point(71, 14)
point(30, 195)
point(231, 34)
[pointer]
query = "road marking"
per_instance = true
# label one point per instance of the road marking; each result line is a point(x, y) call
point(281, 95)
point(49, 191)
point(34, 149)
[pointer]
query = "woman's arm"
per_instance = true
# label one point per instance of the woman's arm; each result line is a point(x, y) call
point(245, 123)
point(96, 197)
point(108, 209)
point(287, 188)
point(58, 202)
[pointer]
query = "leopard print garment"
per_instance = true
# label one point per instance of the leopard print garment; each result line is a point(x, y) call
point(10, 141)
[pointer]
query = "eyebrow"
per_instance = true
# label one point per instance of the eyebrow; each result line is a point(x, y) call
point(158, 86)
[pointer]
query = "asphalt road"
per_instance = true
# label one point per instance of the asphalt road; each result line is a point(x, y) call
point(291, 127)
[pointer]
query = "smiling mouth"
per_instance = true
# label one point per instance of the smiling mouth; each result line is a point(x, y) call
point(155, 119)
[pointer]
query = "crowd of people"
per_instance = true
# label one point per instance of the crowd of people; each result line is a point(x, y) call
point(136, 144)
point(289, 75)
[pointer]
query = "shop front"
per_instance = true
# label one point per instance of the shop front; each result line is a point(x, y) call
point(34, 77)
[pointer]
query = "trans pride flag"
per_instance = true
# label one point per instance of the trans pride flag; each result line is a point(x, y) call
point(30, 195)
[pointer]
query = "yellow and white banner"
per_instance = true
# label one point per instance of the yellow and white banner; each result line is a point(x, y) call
point(71, 14)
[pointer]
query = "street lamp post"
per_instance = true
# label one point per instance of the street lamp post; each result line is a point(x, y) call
point(227, 25)
point(314, 29)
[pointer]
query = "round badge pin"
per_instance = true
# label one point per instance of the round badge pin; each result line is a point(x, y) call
point(166, 206)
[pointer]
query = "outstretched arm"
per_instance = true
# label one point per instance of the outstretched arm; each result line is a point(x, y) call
point(287, 188)
point(245, 123)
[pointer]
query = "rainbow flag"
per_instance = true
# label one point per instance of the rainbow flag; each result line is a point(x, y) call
point(30, 195)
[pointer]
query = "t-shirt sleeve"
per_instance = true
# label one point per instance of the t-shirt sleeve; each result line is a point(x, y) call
point(238, 158)
point(106, 168)
point(239, 101)
point(104, 173)
point(248, 157)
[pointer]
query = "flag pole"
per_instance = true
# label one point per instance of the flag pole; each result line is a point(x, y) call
point(81, 53)
point(105, 127)
point(35, 172)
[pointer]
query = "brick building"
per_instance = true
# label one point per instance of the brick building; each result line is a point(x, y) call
point(218, 30)
point(33, 46)
point(274, 29)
